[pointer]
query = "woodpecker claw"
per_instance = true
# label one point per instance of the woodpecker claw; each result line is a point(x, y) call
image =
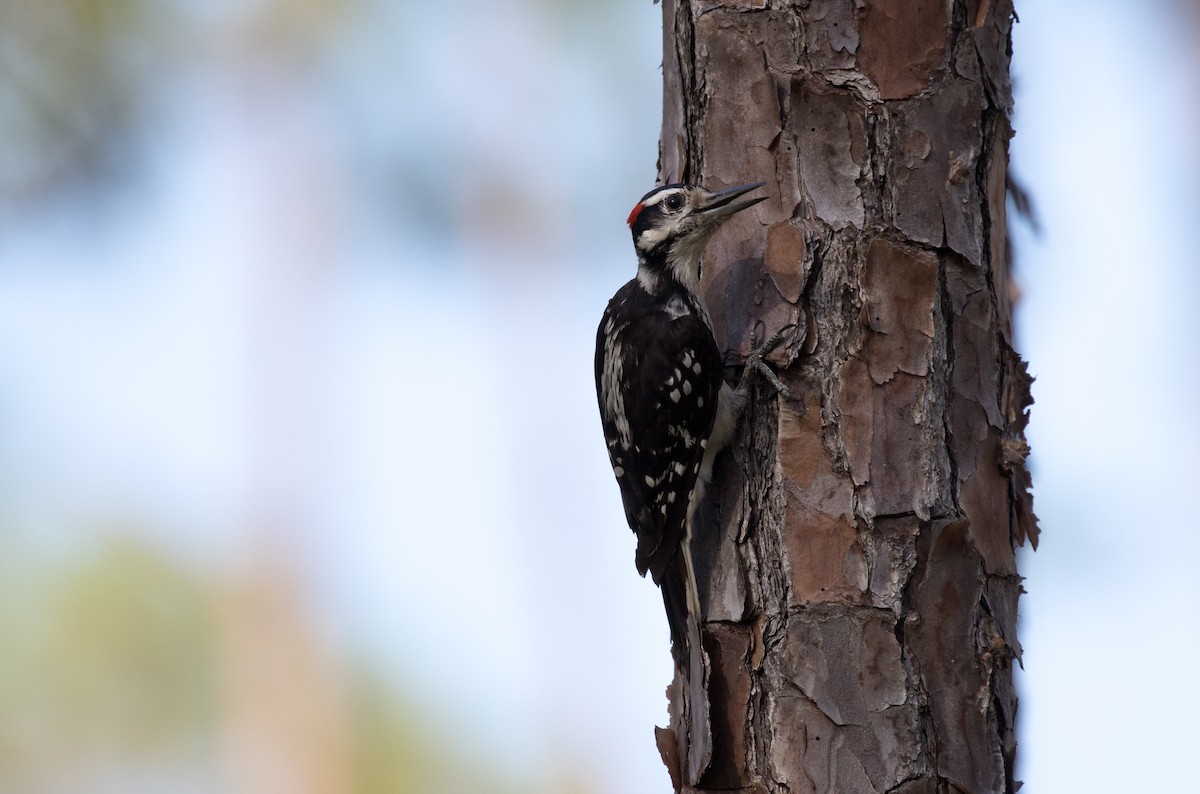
point(769, 346)
point(769, 375)
point(755, 363)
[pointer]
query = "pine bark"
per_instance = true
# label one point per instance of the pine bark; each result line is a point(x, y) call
point(860, 586)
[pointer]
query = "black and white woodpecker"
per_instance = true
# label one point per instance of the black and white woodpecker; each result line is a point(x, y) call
point(666, 408)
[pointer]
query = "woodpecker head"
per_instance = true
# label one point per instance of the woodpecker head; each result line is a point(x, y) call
point(672, 224)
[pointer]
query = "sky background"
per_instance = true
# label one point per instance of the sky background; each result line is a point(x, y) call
point(297, 307)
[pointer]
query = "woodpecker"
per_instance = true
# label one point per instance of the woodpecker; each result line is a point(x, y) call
point(664, 403)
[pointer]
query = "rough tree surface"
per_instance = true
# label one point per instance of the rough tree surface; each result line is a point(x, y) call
point(860, 593)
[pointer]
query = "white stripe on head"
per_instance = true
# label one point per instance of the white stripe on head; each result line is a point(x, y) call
point(663, 194)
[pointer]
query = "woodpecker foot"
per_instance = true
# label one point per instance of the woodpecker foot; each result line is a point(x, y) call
point(755, 363)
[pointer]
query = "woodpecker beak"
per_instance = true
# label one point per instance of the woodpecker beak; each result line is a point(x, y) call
point(721, 204)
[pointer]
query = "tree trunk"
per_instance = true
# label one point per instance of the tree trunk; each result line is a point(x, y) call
point(859, 587)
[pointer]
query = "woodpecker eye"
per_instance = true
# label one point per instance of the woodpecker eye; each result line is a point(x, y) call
point(674, 201)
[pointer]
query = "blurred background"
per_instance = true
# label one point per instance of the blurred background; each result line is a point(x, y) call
point(302, 487)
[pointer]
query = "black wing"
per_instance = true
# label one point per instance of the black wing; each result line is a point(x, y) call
point(657, 381)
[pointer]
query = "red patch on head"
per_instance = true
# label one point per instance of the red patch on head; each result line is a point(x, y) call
point(637, 210)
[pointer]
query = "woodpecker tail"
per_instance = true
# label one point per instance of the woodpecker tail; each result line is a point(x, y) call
point(682, 602)
point(679, 618)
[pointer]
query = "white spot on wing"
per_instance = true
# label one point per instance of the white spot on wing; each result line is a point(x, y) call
point(674, 395)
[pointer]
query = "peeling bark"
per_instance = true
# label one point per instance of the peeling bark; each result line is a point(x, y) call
point(859, 584)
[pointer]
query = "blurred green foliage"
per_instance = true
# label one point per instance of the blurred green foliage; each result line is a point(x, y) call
point(395, 751)
point(79, 79)
point(103, 658)
point(130, 643)
point(110, 665)
point(74, 81)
